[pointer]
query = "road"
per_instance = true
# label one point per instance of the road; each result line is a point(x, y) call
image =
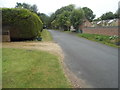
point(95, 63)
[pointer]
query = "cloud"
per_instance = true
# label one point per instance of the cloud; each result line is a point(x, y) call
point(47, 6)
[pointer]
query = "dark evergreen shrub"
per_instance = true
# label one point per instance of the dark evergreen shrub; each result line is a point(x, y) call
point(22, 23)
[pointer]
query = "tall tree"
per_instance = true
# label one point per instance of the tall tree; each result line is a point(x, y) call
point(32, 8)
point(19, 5)
point(64, 20)
point(88, 13)
point(107, 16)
point(117, 13)
point(61, 15)
point(55, 24)
point(27, 6)
point(45, 19)
point(77, 18)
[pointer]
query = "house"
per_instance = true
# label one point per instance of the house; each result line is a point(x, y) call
point(87, 23)
point(112, 22)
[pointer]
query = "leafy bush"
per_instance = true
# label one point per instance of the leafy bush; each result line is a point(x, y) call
point(21, 23)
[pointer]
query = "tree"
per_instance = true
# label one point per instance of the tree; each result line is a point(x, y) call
point(88, 14)
point(97, 19)
point(32, 8)
point(107, 16)
point(61, 16)
point(68, 8)
point(26, 6)
point(45, 19)
point(19, 5)
point(117, 14)
point(51, 18)
point(54, 24)
point(77, 18)
point(64, 20)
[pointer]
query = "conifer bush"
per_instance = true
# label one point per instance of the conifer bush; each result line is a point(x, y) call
point(22, 23)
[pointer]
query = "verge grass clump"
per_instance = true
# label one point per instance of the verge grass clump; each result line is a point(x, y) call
point(46, 35)
point(108, 40)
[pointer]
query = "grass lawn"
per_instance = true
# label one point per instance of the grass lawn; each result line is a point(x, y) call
point(101, 38)
point(32, 69)
point(46, 36)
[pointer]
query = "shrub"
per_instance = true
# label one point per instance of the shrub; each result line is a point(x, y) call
point(22, 23)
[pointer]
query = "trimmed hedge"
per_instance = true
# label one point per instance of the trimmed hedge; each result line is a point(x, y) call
point(22, 23)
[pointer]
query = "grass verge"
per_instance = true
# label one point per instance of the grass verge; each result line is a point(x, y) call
point(32, 69)
point(104, 39)
point(46, 36)
point(108, 40)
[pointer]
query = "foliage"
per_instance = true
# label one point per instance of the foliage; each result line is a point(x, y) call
point(88, 13)
point(68, 8)
point(77, 18)
point(117, 14)
point(58, 19)
point(64, 20)
point(22, 23)
point(32, 8)
point(31, 69)
point(97, 19)
point(45, 19)
point(108, 40)
point(107, 16)
point(55, 24)
point(68, 16)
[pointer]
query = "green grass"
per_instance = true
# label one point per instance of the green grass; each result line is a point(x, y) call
point(32, 69)
point(46, 36)
point(100, 38)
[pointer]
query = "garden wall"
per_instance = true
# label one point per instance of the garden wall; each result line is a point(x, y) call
point(102, 30)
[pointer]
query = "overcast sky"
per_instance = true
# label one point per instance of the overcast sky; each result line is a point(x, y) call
point(48, 6)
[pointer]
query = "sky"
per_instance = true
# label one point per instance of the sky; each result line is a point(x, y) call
point(99, 7)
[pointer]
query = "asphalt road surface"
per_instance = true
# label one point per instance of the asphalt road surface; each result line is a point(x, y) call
point(93, 62)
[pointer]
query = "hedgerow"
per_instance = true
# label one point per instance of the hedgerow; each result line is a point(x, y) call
point(22, 23)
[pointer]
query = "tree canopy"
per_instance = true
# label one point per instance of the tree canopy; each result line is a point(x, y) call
point(67, 16)
point(88, 13)
point(32, 8)
point(64, 20)
point(45, 19)
point(108, 15)
point(77, 18)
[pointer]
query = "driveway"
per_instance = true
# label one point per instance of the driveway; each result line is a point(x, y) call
point(95, 63)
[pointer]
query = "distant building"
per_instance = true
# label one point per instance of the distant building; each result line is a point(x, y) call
point(112, 22)
point(87, 23)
